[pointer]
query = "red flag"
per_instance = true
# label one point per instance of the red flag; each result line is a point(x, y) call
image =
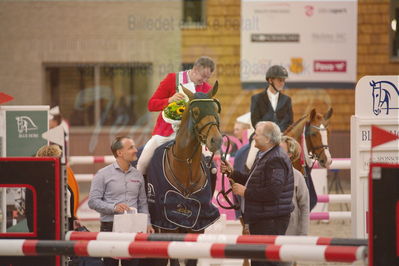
point(5, 98)
point(380, 136)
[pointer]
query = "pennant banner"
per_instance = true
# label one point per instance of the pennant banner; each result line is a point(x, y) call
point(5, 98)
point(380, 136)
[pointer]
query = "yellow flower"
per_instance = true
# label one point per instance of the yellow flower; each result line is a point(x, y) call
point(175, 110)
point(180, 110)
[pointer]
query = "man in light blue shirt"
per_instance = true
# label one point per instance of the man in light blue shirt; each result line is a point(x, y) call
point(118, 187)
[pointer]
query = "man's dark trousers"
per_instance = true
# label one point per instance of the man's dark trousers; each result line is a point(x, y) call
point(272, 226)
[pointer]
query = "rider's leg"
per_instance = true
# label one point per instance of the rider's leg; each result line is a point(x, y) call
point(149, 148)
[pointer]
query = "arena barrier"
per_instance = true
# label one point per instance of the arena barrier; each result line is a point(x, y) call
point(74, 160)
point(337, 163)
point(216, 238)
point(334, 198)
point(329, 215)
point(182, 250)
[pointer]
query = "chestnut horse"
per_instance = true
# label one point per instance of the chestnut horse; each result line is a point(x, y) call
point(179, 179)
point(311, 131)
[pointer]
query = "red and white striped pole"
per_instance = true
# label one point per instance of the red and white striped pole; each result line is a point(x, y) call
point(214, 238)
point(182, 250)
point(329, 215)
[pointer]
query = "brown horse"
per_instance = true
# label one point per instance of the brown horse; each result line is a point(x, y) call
point(199, 125)
point(311, 131)
point(179, 180)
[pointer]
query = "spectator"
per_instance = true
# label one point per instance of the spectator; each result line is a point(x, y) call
point(56, 119)
point(240, 133)
point(73, 187)
point(266, 192)
point(118, 187)
point(299, 221)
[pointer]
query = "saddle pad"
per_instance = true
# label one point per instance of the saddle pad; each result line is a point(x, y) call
point(180, 210)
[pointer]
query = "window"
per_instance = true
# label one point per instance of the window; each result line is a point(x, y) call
point(193, 12)
point(394, 29)
point(100, 94)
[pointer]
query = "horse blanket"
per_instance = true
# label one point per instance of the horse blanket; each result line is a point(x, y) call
point(170, 209)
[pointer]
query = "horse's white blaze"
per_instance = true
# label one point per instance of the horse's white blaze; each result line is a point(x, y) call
point(324, 141)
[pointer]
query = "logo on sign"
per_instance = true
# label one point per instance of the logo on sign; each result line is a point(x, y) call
point(309, 10)
point(296, 65)
point(383, 91)
point(329, 66)
point(25, 125)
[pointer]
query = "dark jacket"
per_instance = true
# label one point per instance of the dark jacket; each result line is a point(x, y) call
point(262, 110)
point(270, 189)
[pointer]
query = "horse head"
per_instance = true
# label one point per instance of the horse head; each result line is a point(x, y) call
point(203, 113)
point(376, 97)
point(316, 135)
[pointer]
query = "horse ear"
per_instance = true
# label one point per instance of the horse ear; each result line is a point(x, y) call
point(312, 114)
point(187, 92)
point(328, 114)
point(214, 90)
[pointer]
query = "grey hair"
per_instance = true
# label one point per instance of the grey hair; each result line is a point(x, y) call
point(117, 144)
point(271, 130)
point(205, 62)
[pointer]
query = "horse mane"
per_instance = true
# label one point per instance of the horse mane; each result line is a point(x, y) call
point(293, 130)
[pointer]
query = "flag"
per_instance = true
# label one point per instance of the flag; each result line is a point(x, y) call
point(380, 136)
point(5, 98)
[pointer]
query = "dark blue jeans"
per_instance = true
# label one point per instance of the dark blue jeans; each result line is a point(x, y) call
point(271, 226)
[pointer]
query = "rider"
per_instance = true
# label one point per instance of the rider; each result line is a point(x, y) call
point(271, 104)
point(169, 90)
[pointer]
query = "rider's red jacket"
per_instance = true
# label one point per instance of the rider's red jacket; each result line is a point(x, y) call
point(159, 100)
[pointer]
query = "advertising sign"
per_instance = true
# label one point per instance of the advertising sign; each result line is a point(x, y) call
point(22, 128)
point(376, 103)
point(315, 40)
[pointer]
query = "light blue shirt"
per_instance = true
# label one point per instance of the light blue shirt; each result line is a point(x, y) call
point(111, 186)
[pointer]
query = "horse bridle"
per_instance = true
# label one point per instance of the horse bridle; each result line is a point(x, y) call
point(312, 149)
point(198, 132)
point(201, 139)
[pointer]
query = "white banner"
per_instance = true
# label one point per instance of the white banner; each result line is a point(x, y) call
point(315, 40)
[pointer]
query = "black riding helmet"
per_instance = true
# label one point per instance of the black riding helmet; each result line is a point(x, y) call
point(276, 71)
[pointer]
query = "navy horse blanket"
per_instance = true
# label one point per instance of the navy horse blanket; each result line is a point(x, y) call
point(169, 209)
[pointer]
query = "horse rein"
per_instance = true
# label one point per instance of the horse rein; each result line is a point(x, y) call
point(223, 191)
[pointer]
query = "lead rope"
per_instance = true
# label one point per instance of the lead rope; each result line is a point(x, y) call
point(223, 191)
